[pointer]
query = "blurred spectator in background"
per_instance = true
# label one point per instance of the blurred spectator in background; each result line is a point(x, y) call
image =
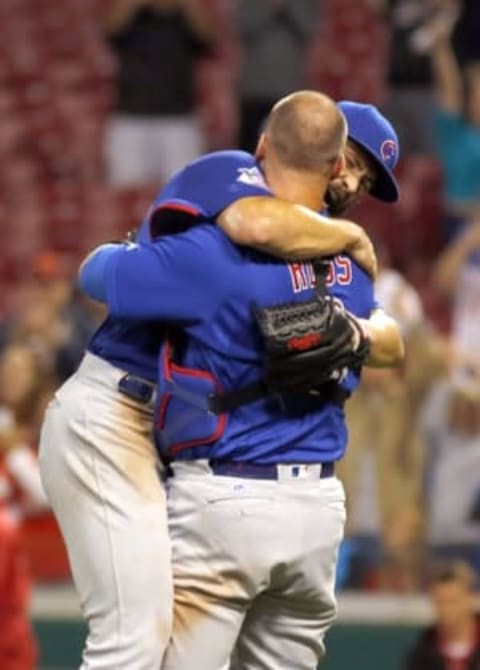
point(51, 317)
point(457, 127)
point(383, 469)
point(18, 650)
point(21, 496)
point(451, 424)
point(274, 36)
point(465, 35)
point(457, 275)
point(453, 641)
point(23, 378)
point(409, 102)
point(155, 130)
point(18, 435)
point(25, 389)
point(81, 318)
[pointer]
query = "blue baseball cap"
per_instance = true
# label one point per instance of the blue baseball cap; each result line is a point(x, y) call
point(377, 137)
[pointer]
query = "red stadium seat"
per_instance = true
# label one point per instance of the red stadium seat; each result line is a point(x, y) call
point(45, 549)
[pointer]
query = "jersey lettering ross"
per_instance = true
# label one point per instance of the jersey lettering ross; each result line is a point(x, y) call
point(339, 272)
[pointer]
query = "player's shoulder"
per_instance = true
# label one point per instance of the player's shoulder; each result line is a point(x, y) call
point(226, 157)
point(232, 167)
point(225, 154)
point(217, 166)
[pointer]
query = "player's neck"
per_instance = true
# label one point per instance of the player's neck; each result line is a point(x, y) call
point(298, 187)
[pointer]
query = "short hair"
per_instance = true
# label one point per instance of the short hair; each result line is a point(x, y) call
point(307, 131)
point(454, 571)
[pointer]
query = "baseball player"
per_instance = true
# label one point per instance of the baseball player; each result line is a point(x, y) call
point(256, 513)
point(95, 444)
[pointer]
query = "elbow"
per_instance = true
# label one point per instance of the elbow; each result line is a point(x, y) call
point(92, 275)
point(90, 283)
point(397, 352)
point(387, 357)
point(393, 353)
point(82, 279)
point(387, 347)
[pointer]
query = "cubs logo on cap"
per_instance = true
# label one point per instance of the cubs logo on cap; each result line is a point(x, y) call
point(377, 137)
point(389, 151)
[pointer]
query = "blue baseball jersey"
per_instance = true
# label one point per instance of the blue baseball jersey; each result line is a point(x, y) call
point(203, 282)
point(199, 192)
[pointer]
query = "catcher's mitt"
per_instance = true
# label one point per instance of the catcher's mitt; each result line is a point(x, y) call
point(310, 343)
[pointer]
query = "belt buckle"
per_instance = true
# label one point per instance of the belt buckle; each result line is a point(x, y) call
point(136, 388)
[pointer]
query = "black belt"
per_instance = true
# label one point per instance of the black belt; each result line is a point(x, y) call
point(221, 403)
point(259, 471)
point(136, 388)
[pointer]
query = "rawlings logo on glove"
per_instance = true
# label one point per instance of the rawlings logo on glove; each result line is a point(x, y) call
point(304, 342)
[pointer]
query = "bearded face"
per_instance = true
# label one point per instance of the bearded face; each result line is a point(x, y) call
point(357, 178)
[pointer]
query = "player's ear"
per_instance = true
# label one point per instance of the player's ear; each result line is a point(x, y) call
point(261, 148)
point(339, 166)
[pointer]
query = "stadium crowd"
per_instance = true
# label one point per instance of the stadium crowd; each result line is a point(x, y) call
point(92, 125)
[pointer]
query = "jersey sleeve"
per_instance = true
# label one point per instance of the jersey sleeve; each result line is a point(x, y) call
point(364, 286)
point(178, 278)
point(203, 189)
point(353, 286)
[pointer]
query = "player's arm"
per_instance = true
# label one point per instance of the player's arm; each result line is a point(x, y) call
point(228, 187)
point(294, 232)
point(386, 342)
point(448, 78)
point(453, 259)
point(177, 278)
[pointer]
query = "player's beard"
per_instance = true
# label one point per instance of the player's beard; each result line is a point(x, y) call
point(338, 198)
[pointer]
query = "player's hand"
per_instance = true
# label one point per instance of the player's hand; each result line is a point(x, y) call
point(362, 251)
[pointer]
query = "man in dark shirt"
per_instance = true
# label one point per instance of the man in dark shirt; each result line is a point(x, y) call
point(157, 44)
point(453, 641)
point(465, 36)
point(409, 77)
